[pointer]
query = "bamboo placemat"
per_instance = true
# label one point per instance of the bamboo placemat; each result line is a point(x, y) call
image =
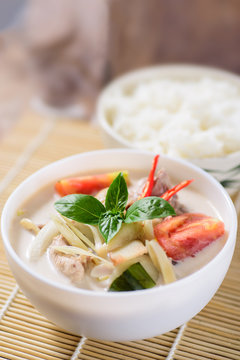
point(25, 334)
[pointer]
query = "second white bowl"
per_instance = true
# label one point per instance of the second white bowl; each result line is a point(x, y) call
point(223, 168)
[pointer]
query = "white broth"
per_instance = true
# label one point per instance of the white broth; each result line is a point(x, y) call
point(40, 207)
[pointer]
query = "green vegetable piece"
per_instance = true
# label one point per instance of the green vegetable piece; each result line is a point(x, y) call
point(117, 194)
point(120, 284)
point(82, 208)
point(148, 208)
point(134, 278)
point(109, 225)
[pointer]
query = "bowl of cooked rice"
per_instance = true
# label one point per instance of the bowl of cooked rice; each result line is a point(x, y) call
point(185, 111)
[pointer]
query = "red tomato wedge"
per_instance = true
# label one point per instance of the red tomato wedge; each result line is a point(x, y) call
point(184, 235)
point(89, 185)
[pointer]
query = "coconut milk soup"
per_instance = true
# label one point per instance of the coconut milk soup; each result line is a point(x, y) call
point(102, 266)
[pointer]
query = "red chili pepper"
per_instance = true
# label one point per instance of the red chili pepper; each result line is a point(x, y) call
point(169, 193)
point(147, 190)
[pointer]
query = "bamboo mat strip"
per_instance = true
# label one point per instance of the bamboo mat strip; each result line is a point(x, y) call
point(8, 302)
point(26, 335)
point(176, 342)
point(78, 348)
point(7, 287)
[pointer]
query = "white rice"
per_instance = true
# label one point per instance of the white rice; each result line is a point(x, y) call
point(187, 119)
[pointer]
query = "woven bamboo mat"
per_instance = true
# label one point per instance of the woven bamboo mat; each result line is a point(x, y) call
point(25, 334)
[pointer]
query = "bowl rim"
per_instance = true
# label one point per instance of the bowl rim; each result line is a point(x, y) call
point(147, 71)
point(231, 240)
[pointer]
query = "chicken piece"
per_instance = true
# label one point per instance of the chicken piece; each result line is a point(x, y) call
point(161, 185)
point(71, 266)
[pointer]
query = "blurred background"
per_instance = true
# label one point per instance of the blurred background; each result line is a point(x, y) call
point(56, 55)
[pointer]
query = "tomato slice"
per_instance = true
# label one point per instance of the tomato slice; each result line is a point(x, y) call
point(184, 235)
point(87, 184)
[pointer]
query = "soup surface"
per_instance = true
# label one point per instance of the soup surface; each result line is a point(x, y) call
point(40, 207)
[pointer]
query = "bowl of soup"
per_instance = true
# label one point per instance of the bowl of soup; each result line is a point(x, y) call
point(185, 111)
point(119, 244)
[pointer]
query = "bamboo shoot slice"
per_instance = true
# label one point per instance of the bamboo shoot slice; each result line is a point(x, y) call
point(42, 240)
point(67, 233)
point(161, 261)
point(132, 250)
point(74, 250)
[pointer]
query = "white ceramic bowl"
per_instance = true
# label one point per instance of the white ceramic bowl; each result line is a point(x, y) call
point(127, 315)
point(222, 168)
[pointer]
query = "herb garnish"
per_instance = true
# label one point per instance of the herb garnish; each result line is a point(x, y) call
point(109, 218)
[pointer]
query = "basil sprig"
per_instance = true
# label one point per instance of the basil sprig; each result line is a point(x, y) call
point(109, 218)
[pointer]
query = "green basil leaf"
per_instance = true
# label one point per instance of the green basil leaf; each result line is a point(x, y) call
point(82, 208)
point(150, 207)
point(109, 225)
point(117, 194)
